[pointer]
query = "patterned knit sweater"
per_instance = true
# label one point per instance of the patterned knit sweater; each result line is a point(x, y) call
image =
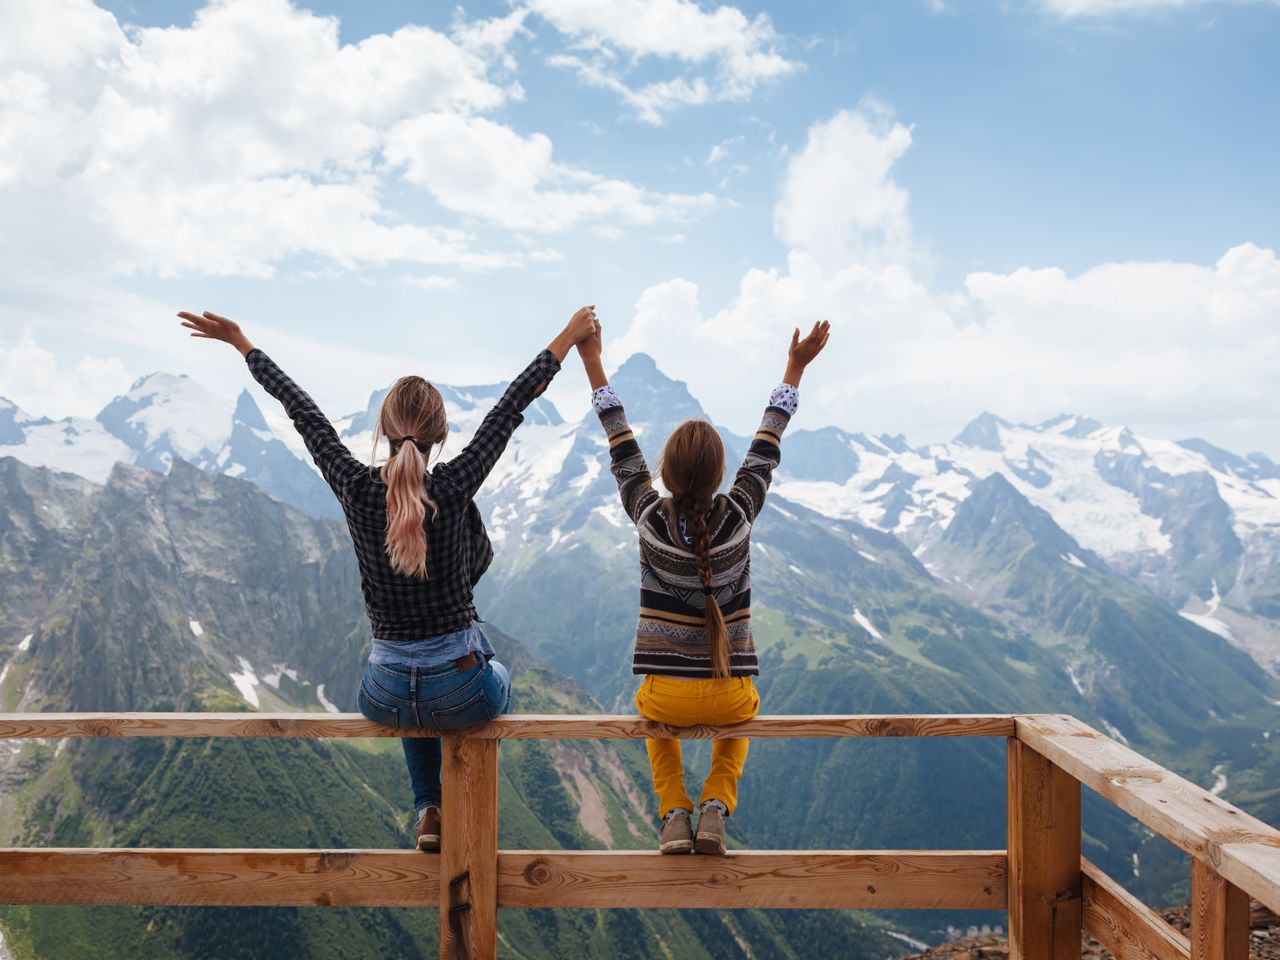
point(671, 639)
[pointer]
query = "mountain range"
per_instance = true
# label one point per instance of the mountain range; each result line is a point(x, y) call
point(1064, 566)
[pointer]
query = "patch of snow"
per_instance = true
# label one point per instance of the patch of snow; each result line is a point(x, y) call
point(592, 465)
point(1216, 599)
point(794, 569)
point(1115, 732)
point(324, 701)
point(613, 513)
point(1219, 780)
point(4, 673)
point(1072, 559)
point(279, 670)
point(555, 538)
point(867, 556)
point(786, 513)
point(25, 645)
point(1075, 680)
point(911, 942)
point(861, 620)
point(1212, 624)
point(1136, 871)
point(246, 682)
point(760, 546)
point(235, 470)
point(196, 629)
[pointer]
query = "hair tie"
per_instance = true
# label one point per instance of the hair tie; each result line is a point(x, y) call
point(412, 439)
point(707, 591)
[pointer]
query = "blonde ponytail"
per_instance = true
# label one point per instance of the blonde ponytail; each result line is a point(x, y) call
point(413, 417)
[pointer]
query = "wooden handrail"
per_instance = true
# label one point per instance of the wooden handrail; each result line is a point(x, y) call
point(1050, 892)
point(513, 726)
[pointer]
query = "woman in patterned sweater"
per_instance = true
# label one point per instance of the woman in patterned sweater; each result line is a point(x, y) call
point(693, 639)
point(420, 545)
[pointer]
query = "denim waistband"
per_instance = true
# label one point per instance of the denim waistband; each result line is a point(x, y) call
point(407, 670)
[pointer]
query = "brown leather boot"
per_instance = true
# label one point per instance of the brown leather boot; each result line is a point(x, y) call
point(677, 833)
point(710, 838)
point(428, 830)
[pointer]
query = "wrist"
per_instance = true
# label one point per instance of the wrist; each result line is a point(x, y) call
point(595, 372)
point(561, 345)
point(793, 374)
point(244, 346)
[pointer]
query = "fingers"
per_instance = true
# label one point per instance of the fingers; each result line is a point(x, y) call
point(795, 338)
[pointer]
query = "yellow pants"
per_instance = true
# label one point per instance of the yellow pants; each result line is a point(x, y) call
point(688, 703)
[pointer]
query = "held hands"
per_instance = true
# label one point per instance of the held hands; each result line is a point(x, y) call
point(210, 326)
point(801, 353)
point(580, 326)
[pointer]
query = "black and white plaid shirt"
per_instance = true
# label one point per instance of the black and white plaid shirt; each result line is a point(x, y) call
point(401, 607)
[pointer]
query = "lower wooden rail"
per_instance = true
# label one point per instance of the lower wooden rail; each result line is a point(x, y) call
point(1051, 894)
point(788, 879)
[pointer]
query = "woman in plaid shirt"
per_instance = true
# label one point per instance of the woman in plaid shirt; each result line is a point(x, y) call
point(420, 545)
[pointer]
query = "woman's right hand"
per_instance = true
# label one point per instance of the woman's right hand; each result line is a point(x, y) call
point(802, 352)
point(210, 326)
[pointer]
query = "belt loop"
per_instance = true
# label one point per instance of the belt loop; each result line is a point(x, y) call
point(413, 683)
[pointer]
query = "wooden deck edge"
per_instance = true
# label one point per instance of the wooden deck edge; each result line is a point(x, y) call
point(1124, 924)
point(1243, 849)
point(510, 727)
point(900, 879)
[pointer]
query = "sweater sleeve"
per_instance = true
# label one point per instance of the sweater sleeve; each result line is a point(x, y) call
point(328, 452)
point(468, 470)
point(635, 484)
point(765, 453)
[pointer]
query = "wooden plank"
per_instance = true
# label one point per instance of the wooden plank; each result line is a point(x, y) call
point(469, 849)
point(245, 878)
point(1243, 849)
point(1124, 924)
point(509, 727)
point(1219, 916)
point(809, 879)
point(1044, 858)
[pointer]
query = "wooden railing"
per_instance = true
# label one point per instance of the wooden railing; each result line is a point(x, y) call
point(1051, 894)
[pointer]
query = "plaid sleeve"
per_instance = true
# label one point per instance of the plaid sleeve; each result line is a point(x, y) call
point(468, 470)
point(756, 473)
point(635, 484)
point(329, 453)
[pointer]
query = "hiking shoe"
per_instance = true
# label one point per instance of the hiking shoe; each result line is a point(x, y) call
point(677, 833)
point(710, 838)
point(428, 830)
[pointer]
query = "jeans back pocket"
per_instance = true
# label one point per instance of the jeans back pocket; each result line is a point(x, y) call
point(476, 709)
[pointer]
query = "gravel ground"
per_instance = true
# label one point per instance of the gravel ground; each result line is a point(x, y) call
point(1264, 943)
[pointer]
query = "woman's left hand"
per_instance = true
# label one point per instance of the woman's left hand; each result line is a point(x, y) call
point(210, 326)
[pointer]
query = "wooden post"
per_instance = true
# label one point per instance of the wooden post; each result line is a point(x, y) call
point(469, 849)
point(1219, 916)
point(1044, 858)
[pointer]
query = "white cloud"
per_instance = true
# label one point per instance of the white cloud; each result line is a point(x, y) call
point(738, 52)
point(1187, 345)
point(255, 135)
point(474, 166)
point(31, 377)
point(839, 200)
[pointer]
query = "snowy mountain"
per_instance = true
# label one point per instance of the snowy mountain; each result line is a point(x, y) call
point(1198, 525)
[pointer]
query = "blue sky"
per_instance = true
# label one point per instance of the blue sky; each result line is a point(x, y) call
point(1027, 207)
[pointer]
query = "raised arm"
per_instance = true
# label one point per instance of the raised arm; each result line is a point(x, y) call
point(468, 470)
point(635, 484)
point(763, 455)
point(330, 454)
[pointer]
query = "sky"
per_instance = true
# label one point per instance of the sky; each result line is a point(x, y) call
point(1022, 206)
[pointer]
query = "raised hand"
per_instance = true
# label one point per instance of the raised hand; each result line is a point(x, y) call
point(802, 352)
point(210, 326)
point(592, 346)
point(580, 326)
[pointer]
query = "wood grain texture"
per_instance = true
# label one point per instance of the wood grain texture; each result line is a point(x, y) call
point(921, 879)
point(1219, 916)
point(1044, 858)
point(1243, 849)
point(1124, 924)
point(509, 727)
point(257, 878)
point(469, 849)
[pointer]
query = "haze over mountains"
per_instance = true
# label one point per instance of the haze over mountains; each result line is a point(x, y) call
point(1061, 567)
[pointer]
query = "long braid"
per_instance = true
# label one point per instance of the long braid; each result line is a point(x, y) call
point(717, 635)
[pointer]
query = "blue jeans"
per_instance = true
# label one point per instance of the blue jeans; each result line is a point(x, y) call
point(432, 698)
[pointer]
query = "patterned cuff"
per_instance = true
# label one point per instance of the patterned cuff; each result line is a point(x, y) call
point(786, 397)
point(605, 398)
